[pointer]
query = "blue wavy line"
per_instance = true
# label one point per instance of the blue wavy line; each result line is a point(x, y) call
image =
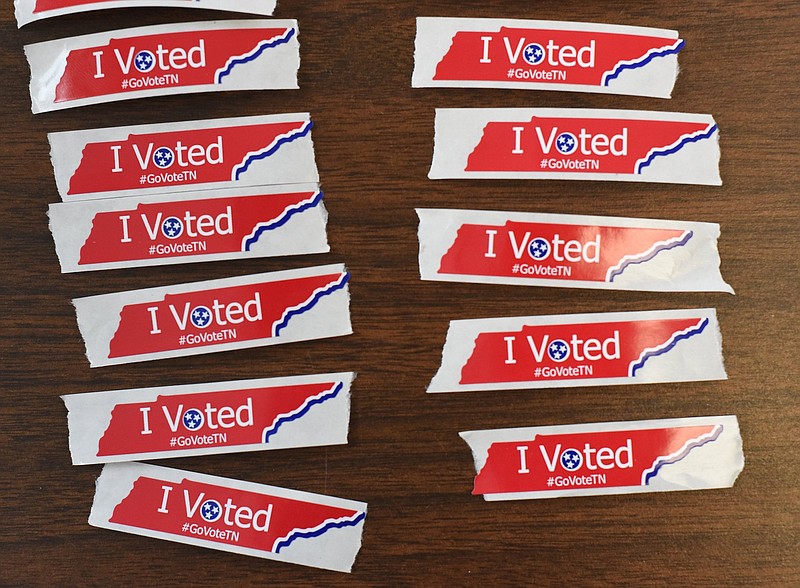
point(711, 130)
point(681, 455)
point(318, 532)
point(278, 144)
point(655, 252)
point(683, 336)
point(623, 66)
point(287, 419)
point(261, 49)
point(292, 313)
point(281, 221)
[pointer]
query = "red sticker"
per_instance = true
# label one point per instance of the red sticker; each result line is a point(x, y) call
point(240, 517)
point(606, 458)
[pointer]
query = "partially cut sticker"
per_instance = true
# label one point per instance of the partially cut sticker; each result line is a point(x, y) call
point(177, 157)
point(697, 453)
point(217, 315)
point(229, 515)
point(189, 227)
point(602, 349)
point(208, 419)
point(576, 144)
point(545, 55)
point(568, 251)
point(32, 10)
point(163, 59)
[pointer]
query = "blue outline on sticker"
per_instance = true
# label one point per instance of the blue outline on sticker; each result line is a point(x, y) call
point(650, 475)
point(655, 252)
point(648, 58)
point(343, 280)
point(293, 417)
point(682, 337)
point(683, 142)
point(281, 220)
point(280, 142)
point(285, 38)
point(339, 524)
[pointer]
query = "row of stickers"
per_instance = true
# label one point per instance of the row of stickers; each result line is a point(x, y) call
point(198, 191)
point(248, 187)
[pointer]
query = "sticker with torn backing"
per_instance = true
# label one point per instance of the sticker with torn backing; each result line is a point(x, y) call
point(164, 59)
point(568, 350)
point(188, 227)
point(229, 515)
point(176, 157)
point(209, 419)
point(697, 453)
point(28, 11)
point(216, 315)
point(570, 251)
point(576, 144)
point(545, 55)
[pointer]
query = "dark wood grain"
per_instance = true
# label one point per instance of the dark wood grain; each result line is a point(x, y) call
point(373, 138)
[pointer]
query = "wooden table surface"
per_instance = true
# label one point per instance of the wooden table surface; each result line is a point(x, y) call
point(374, 136)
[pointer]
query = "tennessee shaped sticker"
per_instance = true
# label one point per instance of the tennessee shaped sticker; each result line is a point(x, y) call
point(204, 419)
point(545, 55)
point(31, 10)
point(180, 228)
point(164, 59)
point(696, 453)
point(176, 157)
point(217, 315)
point(568, 251)
point(576, 144)
point(580, 350)
point(229, 515)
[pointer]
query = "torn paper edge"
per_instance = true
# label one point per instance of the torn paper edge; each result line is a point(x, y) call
point(699, 358)
point(698, 262)
point(89, 416)
point(480, 441)
point(334, 551)
point(300, 230)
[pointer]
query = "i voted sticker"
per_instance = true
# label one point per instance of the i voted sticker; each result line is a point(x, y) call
point(633, 457)
point(600, 349)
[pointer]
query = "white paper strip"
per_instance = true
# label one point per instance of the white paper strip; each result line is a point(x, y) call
point(545, 55)
point(229, 515)
point(576, 144)
point(208, 419)
point(570, 350)
point(572, 251)
point(631, 457)
point(32, 10)
point(217, 315)
point(164, 59)
point(189, 227)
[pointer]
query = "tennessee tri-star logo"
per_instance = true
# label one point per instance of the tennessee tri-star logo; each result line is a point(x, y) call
point(558, 350)
point(172, 227)
point(571, 459)
point(144, 61)
point(566, 143)
point(193, 419)
point(539, 248)
point(201, 317)
point(533, 53)
point(163, 157)
point(210, 510)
